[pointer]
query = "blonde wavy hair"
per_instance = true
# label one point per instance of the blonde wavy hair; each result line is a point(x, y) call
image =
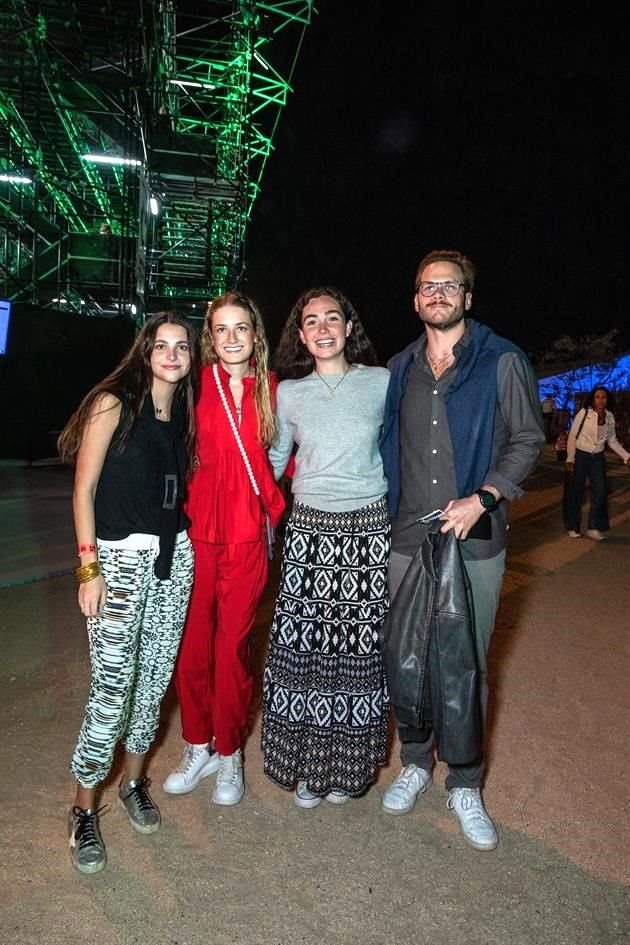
point(262, 391)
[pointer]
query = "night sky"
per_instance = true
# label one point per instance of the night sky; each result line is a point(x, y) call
point(504, 137)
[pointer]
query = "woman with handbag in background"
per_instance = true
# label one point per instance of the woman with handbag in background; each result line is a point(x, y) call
point(232, 498)
point(325, 706)
point(592, 430)
point(132, 439)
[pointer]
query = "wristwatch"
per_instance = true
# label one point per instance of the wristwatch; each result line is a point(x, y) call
point(487, 499)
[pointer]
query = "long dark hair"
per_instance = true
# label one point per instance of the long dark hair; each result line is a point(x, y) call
point(130, 383)
point(590, 398)
point(292, 358)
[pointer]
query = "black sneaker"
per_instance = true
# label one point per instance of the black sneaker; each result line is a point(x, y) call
point(87, 850)
point(134, 798)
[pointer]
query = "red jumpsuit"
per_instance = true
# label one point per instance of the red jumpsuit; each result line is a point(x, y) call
point(213, 676)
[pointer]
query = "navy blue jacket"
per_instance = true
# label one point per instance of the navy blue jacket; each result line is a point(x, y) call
point(470, 408)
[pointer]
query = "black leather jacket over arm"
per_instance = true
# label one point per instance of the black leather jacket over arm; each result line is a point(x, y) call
point(429, 650)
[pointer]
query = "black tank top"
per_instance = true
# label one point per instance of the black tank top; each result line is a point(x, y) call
point(141, 489)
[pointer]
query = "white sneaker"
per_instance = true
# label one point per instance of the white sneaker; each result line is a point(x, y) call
point(337, 797)
point(400, 797)
point(229, 787)
point(595, 534)
point(304, 798)
point(573, 534)
point(198, 761)
point(476, 826)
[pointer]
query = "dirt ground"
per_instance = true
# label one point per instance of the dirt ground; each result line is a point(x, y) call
point(266, 873)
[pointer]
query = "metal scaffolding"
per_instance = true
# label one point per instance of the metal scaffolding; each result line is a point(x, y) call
point(133, 144)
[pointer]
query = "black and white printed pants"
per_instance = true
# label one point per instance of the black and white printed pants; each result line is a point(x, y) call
point(133, 647)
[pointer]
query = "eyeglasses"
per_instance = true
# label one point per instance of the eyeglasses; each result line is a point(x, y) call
point(448, 288)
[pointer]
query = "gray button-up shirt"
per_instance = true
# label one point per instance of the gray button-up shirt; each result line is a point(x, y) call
point(427, 473)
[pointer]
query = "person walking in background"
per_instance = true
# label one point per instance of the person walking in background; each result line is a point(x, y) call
point(462, 430)
point(560, 446)
point(235, 425)
point(132, 439)
point(325, 707)
point(591, 431)
point(548, 406)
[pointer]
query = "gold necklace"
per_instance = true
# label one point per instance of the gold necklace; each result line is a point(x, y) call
point(439, 364)
point(435, 361)
point(331, 390)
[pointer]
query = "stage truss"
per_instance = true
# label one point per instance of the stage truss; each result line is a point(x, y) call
point(186, 95)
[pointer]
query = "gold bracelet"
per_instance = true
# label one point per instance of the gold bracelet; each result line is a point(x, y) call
point(87, 572)
point(90, 566)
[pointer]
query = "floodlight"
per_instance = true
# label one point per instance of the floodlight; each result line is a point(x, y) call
point(189, 84)
point(111, 159)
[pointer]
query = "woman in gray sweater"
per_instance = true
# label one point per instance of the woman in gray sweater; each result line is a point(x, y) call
point(325, 707)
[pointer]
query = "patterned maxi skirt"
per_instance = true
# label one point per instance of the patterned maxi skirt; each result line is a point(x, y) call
point(325, 703)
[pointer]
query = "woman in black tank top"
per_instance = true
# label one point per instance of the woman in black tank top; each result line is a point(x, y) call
point(132, 439)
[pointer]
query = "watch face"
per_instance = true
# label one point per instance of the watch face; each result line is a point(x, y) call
point(487, 499)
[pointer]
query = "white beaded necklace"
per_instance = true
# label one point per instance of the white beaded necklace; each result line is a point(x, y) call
point(237, 436)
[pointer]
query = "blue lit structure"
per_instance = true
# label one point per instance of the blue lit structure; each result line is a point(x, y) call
point(5, 315)
point(563, 387)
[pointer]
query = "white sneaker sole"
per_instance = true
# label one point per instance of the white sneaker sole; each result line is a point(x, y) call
point(210, 767)
point(482, 847)
point(89, 868)
point(224, 802)
point(397, 811)
point(306, 803)
point(336, 798)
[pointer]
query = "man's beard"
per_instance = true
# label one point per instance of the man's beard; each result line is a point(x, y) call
point(456, 316)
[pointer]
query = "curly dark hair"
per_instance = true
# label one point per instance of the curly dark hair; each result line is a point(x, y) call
point(590, 398)
point(292, 358)
point(131, 381)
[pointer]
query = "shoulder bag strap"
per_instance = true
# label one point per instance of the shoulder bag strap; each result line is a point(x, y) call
point(580, 427)
point(237, 435)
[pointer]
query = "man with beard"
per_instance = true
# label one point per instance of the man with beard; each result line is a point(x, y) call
point(462, 430)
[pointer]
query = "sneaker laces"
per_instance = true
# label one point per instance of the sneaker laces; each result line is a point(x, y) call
point(469, 801)
point(85, 828)
point(228, 770)
point(188, 758)
point(404, 778)
point(141, 795)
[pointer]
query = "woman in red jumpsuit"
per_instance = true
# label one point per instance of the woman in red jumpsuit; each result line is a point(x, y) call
point(213, 676)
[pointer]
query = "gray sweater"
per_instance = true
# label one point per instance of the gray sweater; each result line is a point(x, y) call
point(338, 466)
